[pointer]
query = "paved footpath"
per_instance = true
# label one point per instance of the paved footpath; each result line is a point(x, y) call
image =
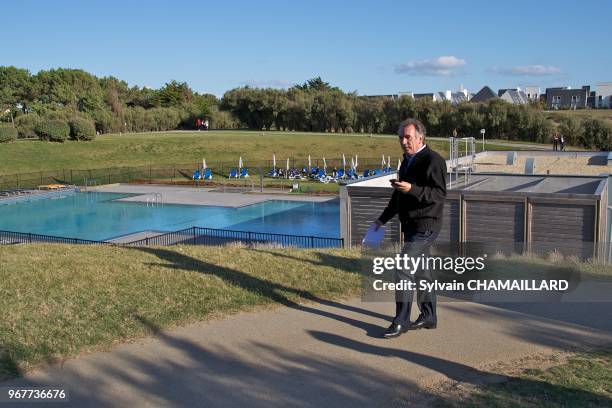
point(319, 355)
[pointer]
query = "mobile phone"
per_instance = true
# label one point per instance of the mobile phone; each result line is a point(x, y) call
point(393, 181)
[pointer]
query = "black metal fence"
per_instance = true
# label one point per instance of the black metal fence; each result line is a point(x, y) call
point(189, 236)
point(172, 173)
point(10, 237)
point(211, 236)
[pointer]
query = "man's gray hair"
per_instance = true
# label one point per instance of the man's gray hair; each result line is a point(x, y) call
point(418, 125)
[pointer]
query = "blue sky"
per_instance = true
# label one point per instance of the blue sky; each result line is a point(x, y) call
point(372, 47)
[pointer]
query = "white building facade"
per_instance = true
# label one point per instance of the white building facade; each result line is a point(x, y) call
point(603, 95)
point(533, 92)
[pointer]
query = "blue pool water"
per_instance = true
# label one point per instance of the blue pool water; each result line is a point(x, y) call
point(96, 216)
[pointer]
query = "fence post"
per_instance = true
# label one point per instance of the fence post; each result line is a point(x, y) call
point(109, 175)
point(41, 177)
point(147, 241)
point(193, 229)
point(311, 241)
point(71, 179)
point(30, 237)
point(150, 174)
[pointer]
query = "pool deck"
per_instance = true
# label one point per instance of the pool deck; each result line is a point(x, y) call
point(202, 196)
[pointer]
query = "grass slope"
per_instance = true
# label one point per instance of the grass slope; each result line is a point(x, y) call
point(56, 305)
point(190, 147)
point(186, 147)
point(603, 114)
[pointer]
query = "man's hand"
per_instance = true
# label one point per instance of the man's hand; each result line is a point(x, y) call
point(402, 186)
point(377, 225)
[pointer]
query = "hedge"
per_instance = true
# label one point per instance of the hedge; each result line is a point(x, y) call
point(26, 125)
point(82, 129)
point(53, 130)
point(8, 133)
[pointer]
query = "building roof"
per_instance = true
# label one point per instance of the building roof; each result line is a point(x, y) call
point(515, 97)
point(500, 92)
point(483, 95)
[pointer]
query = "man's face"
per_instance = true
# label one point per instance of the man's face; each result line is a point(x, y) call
point(411, 140)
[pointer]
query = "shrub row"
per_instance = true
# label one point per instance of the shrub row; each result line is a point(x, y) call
point(55, 127)
point(53, 130)
point(589, 133)
point(8, 133)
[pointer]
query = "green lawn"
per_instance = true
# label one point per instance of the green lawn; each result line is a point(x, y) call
point(188, 147)
point(584, 380)
point(603, 114)
point(54, 306)
point(167, 148)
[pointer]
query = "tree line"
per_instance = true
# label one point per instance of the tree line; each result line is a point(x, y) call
point(111, 106)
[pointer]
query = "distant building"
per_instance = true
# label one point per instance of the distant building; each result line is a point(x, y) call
point(604, 95)
point(390, 96)
point(483, 95)
point(532, 92)
point(423, 95)
point(500, 92)
point(514, 96)
point(567, 98)
point(453, 97)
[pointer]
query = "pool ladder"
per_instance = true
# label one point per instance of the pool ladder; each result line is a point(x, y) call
point(154, 199)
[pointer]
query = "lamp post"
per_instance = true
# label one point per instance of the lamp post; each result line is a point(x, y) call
point(482, 132)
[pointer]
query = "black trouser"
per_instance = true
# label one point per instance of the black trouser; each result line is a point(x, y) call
point(416, 244)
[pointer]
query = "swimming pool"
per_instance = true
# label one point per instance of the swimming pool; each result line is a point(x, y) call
point(98, 216)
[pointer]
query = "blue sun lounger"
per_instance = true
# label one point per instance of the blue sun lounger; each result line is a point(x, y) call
point(208, 174)
point(197, 175)
point(233, 173)
point(244, 173)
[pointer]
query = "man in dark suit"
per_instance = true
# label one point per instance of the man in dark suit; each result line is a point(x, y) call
point(418, 198)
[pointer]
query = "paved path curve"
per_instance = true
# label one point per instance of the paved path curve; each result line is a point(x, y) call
point(323, 354)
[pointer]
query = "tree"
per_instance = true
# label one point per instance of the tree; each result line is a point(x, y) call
point(316, 84)
point(16, 89)
point(572, 130)
point(175, 94)
point(71, 88)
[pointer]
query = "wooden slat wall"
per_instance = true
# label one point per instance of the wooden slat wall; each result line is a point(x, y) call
point(494, 221)
point(364, 210)
point(567, 227)
point(450, 222)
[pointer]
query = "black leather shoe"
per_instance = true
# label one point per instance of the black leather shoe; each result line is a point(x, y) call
point(395, 330)
point(422, 323)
